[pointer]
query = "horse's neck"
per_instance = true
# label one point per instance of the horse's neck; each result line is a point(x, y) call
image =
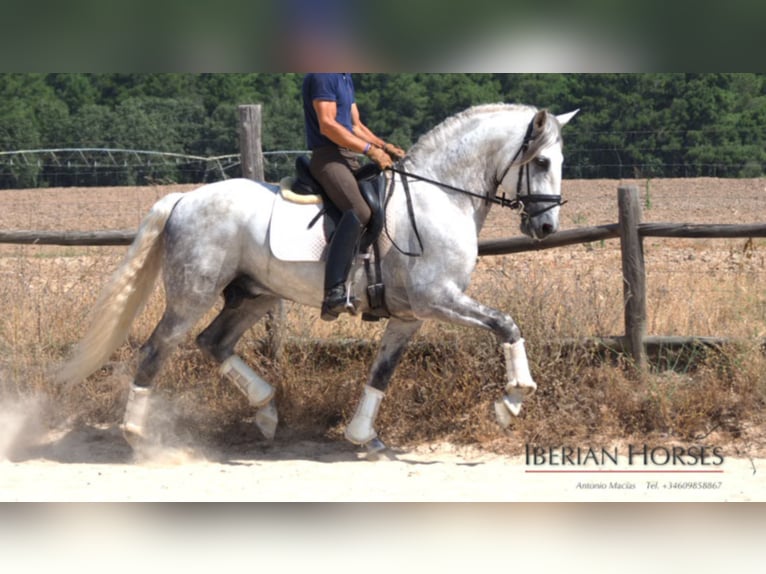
point(469, 178)
point(465, 160)
point(469, 156)
point(463, 164)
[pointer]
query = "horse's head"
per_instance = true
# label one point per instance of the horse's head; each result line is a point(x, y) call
point(538, 183)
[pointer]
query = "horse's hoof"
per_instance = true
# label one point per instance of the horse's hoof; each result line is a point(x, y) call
point(502, 415)
point(513, 401)
point(266, 419)
point(377, 450)
point(510, 406)
point(134, 436)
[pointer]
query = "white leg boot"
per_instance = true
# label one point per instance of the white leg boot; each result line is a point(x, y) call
point(517, 366)
point(519, 385)
point(360, 430)
point(136, 410)
point(257, 391)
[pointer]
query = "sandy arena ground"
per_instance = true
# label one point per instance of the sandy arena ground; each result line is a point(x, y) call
point(308, 472)
point(92, 464)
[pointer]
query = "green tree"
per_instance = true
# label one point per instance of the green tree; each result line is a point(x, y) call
point(393, 105)
point(24, 100)
point(631, 125)
point(74, 90)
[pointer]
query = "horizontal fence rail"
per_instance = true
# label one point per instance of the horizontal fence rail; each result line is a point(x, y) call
point(612, 231)
point(68, 238)
point(560, 239)
point(126, 236)
point(486, 247)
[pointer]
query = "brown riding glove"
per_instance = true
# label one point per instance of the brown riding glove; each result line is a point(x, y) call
point(380, 157)
point(394, 151)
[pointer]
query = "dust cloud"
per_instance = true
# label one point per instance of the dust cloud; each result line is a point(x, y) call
point(21, 426)
point(28, 433)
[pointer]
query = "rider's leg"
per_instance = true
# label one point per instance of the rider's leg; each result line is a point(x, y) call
point(333, 168)
point(340, 256)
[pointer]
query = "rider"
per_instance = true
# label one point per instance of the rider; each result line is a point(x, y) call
point(335, 134)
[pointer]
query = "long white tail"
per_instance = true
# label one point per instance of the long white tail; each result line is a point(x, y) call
point(123, 297)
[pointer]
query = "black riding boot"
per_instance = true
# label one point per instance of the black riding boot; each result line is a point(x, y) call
point(340, 255)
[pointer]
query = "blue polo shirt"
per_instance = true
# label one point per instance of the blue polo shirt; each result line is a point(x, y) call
point(338, 88)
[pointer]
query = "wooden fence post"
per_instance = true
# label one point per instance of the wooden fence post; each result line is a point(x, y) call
point(633, 274)
point(275, 331)
point(251, 154)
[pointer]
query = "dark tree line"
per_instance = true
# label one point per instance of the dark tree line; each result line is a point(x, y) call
point(630, 125)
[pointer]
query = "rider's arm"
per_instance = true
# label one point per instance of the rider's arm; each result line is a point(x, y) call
point(336, 132)
point(362, 130)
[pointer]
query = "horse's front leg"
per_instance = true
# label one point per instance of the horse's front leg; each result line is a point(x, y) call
point(520, 382)
point(454, 306)
point(360, 429)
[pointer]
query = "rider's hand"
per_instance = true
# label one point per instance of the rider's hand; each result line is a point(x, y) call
point(380, 157)
point(394, 151)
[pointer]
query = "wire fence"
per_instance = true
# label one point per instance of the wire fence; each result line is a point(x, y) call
point(661, 170)
point(97, 167)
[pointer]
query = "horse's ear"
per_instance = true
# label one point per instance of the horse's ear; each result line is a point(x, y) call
point(563, 119)
point(539, 121)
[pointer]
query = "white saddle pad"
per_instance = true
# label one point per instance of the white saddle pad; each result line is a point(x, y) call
point(290, 238)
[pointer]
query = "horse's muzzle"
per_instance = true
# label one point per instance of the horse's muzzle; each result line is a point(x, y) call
point(539, 228)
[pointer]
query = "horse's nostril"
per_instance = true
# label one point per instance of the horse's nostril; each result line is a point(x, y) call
point(547, 229)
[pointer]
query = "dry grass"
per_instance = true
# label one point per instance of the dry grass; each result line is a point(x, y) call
point(450, 376)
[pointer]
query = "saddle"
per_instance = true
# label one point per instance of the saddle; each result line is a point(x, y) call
point(304, 189)
point(372, 186)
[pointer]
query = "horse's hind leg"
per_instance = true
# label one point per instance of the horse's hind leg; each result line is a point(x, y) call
point(174, 325)
point(360, 429)
point(218, 341)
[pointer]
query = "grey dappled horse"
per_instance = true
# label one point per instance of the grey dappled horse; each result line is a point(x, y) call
point(218, 235)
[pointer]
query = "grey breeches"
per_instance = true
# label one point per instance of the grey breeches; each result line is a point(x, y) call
point(333, 168)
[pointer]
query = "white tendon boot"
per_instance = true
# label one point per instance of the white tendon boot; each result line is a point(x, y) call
point(359, 430)
point(135, 413)
point(519, 384)
point(517, 366)
point(257, 391)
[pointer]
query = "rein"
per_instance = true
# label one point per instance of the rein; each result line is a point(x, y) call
point(502, 200)
point(410, 212)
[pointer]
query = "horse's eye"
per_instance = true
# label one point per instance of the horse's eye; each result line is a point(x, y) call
point(542, 162)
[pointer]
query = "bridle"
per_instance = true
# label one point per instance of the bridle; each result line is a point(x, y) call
point(521, 202)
